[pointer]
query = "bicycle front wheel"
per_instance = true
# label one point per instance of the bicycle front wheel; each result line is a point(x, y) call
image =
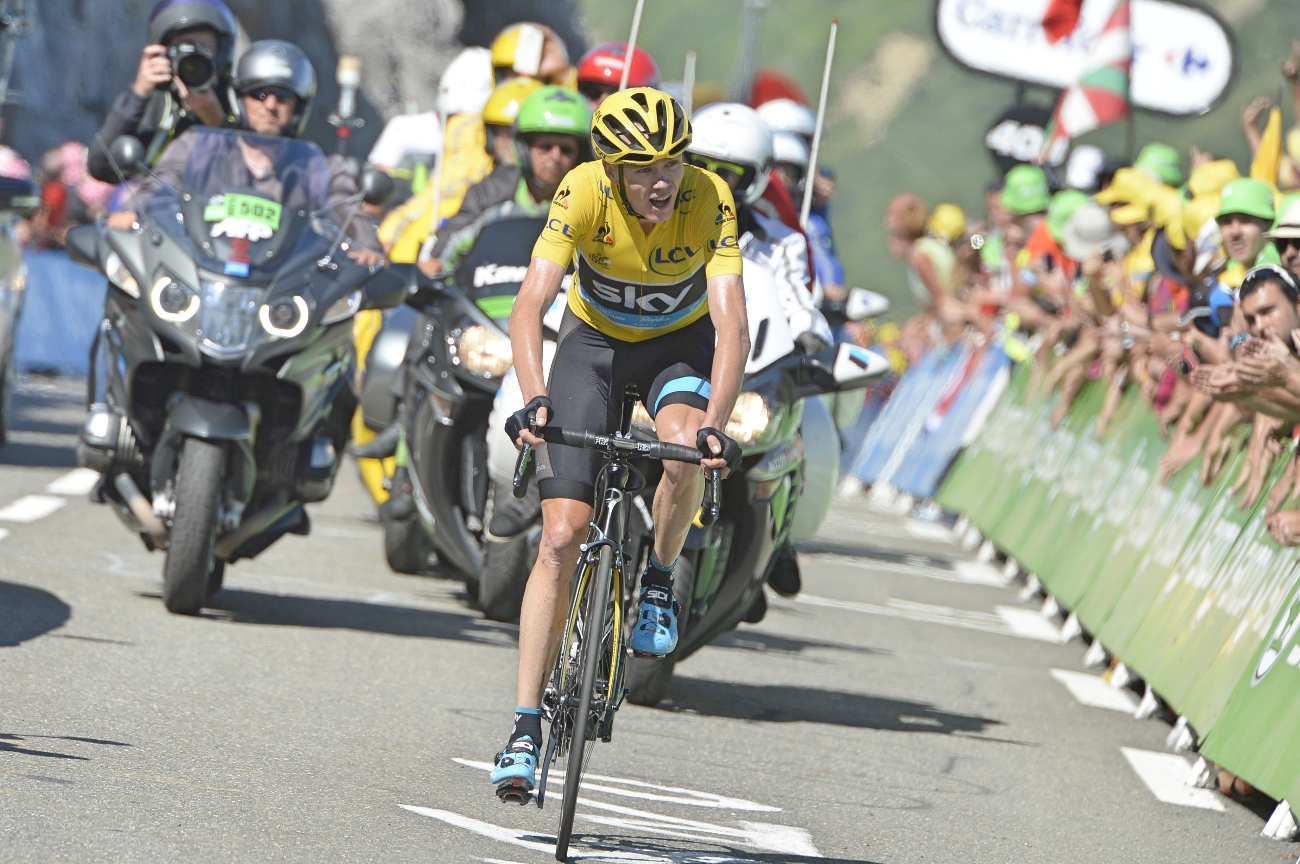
point(593, 629)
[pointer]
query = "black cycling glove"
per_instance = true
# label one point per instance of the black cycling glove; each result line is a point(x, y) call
point(730, 449)
point(526, 417)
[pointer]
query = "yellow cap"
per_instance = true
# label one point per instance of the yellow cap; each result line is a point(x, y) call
point(1128, 186)
point(947, 222)
point(1210, 178)
point(503, 105)
point(1197, 212)
point(1167, 213)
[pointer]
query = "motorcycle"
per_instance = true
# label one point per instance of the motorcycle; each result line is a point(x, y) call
point(720, 574)
point(220, 395)
point(454, 358)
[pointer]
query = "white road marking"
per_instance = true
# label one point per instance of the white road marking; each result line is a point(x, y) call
point(980, 574)
point(1092, 690)
point(768, 838)
point(4, 532)
point(29, 508)
point(78, 481)
point(915, 612)
point(966, 572)
point(690, 797)
point(1028, 624)
point(1165, 773)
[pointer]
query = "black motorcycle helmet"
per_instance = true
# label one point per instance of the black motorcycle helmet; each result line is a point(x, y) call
point(273, 63)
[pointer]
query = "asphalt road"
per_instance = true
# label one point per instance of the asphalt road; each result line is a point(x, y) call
point(330, 710)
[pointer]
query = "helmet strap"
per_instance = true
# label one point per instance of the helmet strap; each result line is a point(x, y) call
point(622, 191)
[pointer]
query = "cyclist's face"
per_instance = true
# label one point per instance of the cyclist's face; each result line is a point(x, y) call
point(651, 189)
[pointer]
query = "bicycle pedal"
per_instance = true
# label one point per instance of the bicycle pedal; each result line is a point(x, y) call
point(515, 791)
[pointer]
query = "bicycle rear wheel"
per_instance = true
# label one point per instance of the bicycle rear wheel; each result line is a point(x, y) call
point(593, 630)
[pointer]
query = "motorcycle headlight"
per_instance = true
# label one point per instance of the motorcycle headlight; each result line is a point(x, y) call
point(480, 351)
point(227, 316)
point(172, 301)
point(285, 317)
point(749, 419)
point(120, 276)
point(343, 308)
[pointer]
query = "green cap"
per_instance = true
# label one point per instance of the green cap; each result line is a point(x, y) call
point(1162, 162)
point(1249, 197)
point(1025, 190)
point(1063, 205)
point(554, 109)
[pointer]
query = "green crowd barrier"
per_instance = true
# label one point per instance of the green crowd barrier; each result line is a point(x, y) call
point(1174, 577)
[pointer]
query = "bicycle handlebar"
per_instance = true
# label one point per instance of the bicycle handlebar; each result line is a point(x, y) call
point(662, 450)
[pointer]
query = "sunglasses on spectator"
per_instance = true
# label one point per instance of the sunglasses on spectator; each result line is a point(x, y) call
point(281, 94)
point(595, 91)
point(566, 148)
point(1285, 243)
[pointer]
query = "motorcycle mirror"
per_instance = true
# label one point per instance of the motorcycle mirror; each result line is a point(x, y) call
point(82, 243)
point(19, 197)
point(376, 186)
point(857, 367)
point(127, 153)
point(862, 303)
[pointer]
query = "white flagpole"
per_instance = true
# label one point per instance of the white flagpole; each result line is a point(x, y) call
point(688, 82)
point(817, 131)
point(631, 44)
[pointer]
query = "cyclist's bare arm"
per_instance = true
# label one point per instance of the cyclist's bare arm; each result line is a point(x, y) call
point(727, 310)
point(536, 294)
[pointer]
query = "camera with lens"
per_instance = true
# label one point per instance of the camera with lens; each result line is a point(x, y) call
point(192, 65)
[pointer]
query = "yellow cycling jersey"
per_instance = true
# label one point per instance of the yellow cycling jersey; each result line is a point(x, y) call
point(630, 285)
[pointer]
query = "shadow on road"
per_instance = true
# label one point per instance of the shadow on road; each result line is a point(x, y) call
point(751, 640)
point(10, 743)
point(27, 612)
point(784, 703)
point(658, 849)
point(254, 607)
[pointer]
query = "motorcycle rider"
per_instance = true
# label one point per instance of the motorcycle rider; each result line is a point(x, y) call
point(635, 221)
point(601, 69)
point(276, 86)
point(195, 38)
point(732, 141)
point(549, 140)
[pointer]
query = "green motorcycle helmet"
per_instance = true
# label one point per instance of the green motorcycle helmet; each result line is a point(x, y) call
point(552, 110)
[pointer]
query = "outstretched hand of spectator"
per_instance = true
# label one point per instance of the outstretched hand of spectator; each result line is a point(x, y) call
point(1266, 362)
point(1291, 66)
point(1258, 106)
point(1218, 380)
point(1284, 527)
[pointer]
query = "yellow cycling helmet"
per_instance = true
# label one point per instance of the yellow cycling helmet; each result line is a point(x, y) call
point(947, 222)
point(521, 49)
point(639, 126)
point(503, 105)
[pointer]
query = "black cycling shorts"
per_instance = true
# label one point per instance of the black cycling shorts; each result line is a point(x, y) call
point(587, 380)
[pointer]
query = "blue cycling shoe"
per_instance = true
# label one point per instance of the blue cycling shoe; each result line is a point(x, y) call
point(656, 627)
point(515, 771)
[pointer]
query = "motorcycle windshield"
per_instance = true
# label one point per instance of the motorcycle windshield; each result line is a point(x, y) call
point(246, 201)
point(491, 272)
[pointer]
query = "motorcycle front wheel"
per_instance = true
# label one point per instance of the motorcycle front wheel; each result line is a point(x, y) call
point(407, 545)
point(190, 562)
point(506, 566)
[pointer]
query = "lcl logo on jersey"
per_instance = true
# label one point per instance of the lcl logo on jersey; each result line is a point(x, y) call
point(672, 262)
point(684, 199)
point(658, 303)
point(560, 226)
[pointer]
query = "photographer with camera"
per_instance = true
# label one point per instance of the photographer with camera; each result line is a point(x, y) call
point(183, 80)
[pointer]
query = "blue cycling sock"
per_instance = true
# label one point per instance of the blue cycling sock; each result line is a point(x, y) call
point(528, 724)
point(658, 575)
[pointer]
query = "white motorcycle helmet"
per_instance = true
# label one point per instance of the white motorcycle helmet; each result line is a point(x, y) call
point(730, 132)
point(466, 85)
point(787, 115)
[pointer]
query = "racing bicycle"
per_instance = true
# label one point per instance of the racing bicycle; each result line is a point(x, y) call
point(587, 683)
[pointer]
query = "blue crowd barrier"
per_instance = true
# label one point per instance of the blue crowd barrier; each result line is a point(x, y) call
point(63, 306)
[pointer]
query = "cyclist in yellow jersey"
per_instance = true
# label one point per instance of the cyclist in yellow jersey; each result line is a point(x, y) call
point(658, 281)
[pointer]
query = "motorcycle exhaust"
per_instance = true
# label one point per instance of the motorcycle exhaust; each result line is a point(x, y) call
point(141, 509)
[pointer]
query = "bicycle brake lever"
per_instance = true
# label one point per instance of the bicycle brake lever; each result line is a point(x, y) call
point(711, 506)
point(523, 471)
